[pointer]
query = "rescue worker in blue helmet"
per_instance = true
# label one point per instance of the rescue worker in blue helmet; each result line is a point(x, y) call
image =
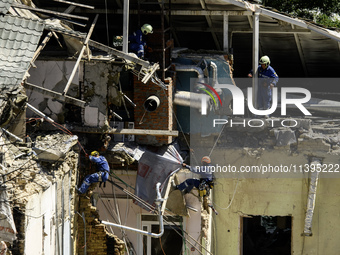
point(137, 41)
point(101, 175)
point(268, 80)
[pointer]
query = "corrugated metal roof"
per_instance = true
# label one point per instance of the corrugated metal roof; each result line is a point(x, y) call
point(19, 38)
point(5, 5)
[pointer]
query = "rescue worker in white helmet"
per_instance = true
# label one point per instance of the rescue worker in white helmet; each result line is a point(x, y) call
point(204, 184)
point(101, 175)
point(268, 80)
point(137, 42)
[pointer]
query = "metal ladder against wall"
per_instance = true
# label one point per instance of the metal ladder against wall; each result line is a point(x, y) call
point(161, 49)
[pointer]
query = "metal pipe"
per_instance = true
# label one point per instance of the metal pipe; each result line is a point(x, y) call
point(39, 112)
point(307, 231)
point(189, 99)
point(126, 26)
point(62, 217)
point(12, 135)
point(191, 68)
point(214, 69)
point(158, 203)
point(56, 215)
point(70, 212)
point(256, 39)
point(75, 68)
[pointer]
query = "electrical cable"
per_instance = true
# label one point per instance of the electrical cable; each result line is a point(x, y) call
point(110, 211)
point(160, 242)
point(218, 138)
point(116, 177)
point(232, 199)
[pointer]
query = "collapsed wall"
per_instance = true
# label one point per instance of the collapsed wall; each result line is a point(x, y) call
point(93, 236)
point(41, 192)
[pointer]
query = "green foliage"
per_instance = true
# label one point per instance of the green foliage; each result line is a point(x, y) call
point(319, 11)
point(327, 21)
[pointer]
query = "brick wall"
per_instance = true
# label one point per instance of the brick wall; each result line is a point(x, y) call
point(98, 240)
point(161, 118)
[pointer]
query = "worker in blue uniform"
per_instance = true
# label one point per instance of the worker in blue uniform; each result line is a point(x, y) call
point(268, 79)
point(204, 184)
point(137, 41)
point(102, 175)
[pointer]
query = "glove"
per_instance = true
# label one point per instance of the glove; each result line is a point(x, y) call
point(86, 155)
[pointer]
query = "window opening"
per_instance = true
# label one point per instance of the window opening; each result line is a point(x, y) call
point(267, 235)
point(171, 243)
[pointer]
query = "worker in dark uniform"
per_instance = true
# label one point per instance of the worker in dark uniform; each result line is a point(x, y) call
point(101, 176)
point(268, 79)
point(137, 41)
point(204, 184)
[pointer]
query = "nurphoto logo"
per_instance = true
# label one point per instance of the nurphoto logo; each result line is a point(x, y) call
point(239, 100)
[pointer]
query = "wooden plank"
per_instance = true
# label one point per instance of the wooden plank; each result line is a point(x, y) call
point(46, 39)
point(56, 95)
point(80, 55)
point(22, 6)
point(125, 131)
point(299, 47)
point(75, 4)
point(210, 24)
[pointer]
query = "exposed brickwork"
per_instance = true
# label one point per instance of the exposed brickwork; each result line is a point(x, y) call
point(98, 239)
point(161, 118)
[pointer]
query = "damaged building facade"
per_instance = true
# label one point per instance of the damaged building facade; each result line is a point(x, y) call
point(70, 87)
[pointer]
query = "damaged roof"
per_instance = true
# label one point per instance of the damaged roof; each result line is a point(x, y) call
point(19, 38)
point(310, 50)
point(5, 5)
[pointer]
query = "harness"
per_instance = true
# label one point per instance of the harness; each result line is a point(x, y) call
point(100, 180)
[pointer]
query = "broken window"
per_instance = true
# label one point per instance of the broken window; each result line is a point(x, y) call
point(170, 243)
point(266, 235)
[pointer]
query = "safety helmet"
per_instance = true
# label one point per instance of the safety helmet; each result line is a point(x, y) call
point(206, 159)
point(94, 153)
point(147, 29)
point(264, 60)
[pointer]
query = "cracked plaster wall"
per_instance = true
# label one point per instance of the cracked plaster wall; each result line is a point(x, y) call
point(52, 75)
point(100, 90)
point(44, 195)
point(277, 194)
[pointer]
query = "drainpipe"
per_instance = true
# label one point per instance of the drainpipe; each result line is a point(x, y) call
point(62, 217)
point(70, 213)
point(158, 203)
point(191, 68)
point(126, 26)
point(185, 98)
point(189, 99)
point(307, 231)
point(56, 215)
point(256, 48)
point(214, 71)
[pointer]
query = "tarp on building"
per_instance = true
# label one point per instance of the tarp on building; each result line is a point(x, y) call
point(154, 167)
point(7, 226)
